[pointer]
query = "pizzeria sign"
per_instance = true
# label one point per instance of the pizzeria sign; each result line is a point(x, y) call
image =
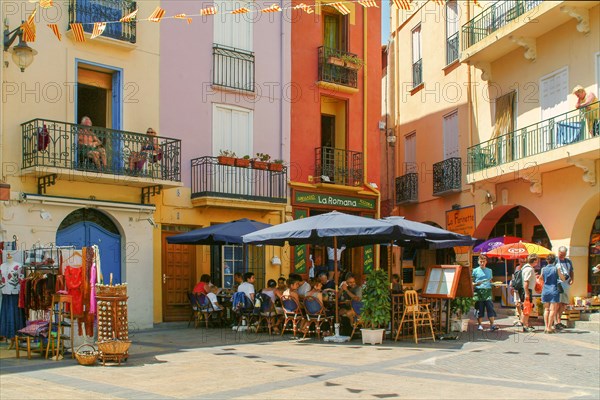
point(333, 200)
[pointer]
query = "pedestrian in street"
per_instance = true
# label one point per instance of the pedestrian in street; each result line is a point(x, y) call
point(515, 293)
point(526, 293)
point(566, 267)
point(482, 280)
point(550, 294)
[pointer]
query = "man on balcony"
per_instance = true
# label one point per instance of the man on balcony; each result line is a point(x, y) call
point(588, 104)
point(90, 146)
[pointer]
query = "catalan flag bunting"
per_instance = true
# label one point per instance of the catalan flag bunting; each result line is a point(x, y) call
point(77, 29)
point(341, 7)
point(208, 11)
point(402, 4)
point(157, 15)
point(440, 2)
point(476, 3)
point(28, 28)
point(180, 16)
point(273, 8)
point(306, 8)
point(368, 3)
point(46, 3)
point(130, 16)
point(99, 28)
point(189, 21)
point(54, 28)
point(242, 10)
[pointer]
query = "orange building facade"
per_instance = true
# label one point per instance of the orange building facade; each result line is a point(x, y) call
point(335, 111)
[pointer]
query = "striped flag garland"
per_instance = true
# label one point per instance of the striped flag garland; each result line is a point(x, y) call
point(208, 11)
point(402, 4)
point(46, 3)
point(77, 29)
point(273, 8)
point(157, 15)
point(306, 8)
point(476, 3)
point(341, 7)
point(242, 10)
point(99, 28)
point(189, 21)
point(180, 16)
point(440, 2)
point(130, 16)
point(54, 28)
point(28, 28)
point(368, 3)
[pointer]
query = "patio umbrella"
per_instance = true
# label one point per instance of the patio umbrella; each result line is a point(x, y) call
point(514, 251)
point(492, 243)
point(226, 233)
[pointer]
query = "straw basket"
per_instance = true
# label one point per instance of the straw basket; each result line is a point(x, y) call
point(115, 346)
point(86, 357)
point(112, 291)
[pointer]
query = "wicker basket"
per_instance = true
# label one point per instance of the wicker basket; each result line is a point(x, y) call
point(114, 346)
point(109, 290)
point(86, 357)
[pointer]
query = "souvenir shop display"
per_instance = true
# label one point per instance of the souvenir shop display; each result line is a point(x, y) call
point(113, 326)
point(11, 316)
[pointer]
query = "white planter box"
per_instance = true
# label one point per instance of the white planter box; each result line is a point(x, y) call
point(459, 325)
point(372, 336)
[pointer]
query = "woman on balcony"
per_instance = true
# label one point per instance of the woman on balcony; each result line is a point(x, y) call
point(150, 151)
point(588, 104)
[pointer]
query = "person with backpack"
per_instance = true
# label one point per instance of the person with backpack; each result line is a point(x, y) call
point(526, 291)
point(566, 267)
point(515, 283)
point(482, 280)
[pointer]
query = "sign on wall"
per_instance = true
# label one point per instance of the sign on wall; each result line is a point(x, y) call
point(330, 200)
point(461, 221)
point(300, 251)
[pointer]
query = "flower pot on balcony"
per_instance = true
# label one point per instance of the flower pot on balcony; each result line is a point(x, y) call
point(4, 192)
point(260, 164)
point(276, 167)
point(352, 65)
point(335, 61)
point(223, 160)
point(242, 162)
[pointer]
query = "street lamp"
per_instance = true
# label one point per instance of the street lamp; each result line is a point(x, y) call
point(22, 54)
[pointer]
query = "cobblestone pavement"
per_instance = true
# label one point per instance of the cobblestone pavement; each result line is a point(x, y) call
point(176, 362)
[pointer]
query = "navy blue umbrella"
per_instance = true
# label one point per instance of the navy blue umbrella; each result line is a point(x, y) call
point(431, 233)
point(226, 233)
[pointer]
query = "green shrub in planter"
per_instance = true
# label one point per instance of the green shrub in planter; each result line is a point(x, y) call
point(460, 306)
point(376, 312)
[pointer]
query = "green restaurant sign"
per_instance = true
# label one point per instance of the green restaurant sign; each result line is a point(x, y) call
point(333, 200)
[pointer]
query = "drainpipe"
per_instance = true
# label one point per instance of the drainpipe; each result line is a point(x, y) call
point(469, 103)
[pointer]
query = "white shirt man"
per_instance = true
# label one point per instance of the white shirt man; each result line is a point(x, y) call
point(248, 286)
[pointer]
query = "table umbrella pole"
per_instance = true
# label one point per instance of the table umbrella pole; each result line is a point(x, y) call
point(336, 278)
point(390, 254)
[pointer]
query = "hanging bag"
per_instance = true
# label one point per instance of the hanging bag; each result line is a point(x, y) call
point(539, 284)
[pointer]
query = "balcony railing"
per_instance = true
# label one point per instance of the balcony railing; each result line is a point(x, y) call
point(407, 188)
point(493, 18)
point(339, 166)
point(417, 72)
point(233, 68)
point(333, 69)
point(89, 11)
point(562, 130)
point(211, 179)
point(452, 49)
point(447, 176)
point(68, 146)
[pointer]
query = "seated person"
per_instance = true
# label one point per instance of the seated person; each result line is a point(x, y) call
point(281, 285)
point(248, 286)
point(212, 296)
point(315, 290)
point(396, 286)
point(90, 146)
point(293, 285)
point(303, 286)
point(238, 279)
point(202, 286)
point(272, 291)
point(325, 281)
point(150, 152)
point(350, 290)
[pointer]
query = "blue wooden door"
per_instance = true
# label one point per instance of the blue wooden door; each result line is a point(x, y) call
point(88, 233)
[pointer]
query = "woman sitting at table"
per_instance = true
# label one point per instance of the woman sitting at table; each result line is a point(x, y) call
point(202, 286)
point(272, 291)
point(292, 290)
point(315, 290)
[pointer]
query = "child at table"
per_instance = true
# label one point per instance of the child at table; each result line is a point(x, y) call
point(212, 296)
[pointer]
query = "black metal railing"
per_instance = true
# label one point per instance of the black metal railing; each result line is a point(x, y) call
point(233, 68)
point(87, 12)
point(333, 67)
point(447, 176)
point(564, 129)
point(339, 166)
point(452, 49)
point(417, 72)
point(209, 178)
point(407, 189)
point(60, 144)
point(493, 18)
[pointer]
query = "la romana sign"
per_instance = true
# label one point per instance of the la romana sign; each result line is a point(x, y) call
point(331, 200)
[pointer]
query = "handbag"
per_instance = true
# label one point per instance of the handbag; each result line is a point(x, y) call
point(560, 287)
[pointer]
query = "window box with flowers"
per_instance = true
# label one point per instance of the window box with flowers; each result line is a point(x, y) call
point(261, 161)
point(226, 157)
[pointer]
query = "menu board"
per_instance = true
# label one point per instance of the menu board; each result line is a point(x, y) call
point(447, 281)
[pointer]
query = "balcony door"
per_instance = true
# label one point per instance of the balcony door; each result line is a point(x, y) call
point(334, 31)
point(451, 136)
point(554, 100)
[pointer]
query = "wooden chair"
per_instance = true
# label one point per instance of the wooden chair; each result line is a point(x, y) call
point(416, 314)
point(267, 314)
point(292, 312)
point(315, 315)
point(357, 307)
point(196, 315)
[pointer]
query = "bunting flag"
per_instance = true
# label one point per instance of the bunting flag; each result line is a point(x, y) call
point(180, 16)
point(341, 7)
point(46, 3)
point(130, 16)
point(273, 8)
point(306, 8)
point(99, 28)
point(402, 4)
point(368, 3)
point(189, 21)
point(157, 15)
point(77, 29)
point(440, 2)
point(54, 28)
point(476, 3)
point(208, 11)
point(28, 28)
point(242, 10)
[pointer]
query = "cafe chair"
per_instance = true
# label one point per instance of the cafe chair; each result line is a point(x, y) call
point(292, 312)
point(357, 307)
point(243, 309)
point(315, 315)
point(416, 314)
point(207, 310)
point(267, 314)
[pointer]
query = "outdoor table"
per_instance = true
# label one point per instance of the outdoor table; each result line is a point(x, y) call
point(225, 301)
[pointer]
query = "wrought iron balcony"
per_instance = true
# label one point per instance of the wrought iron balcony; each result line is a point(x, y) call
point(233, 68)
point(89, 11)
point(493, 18)
point(212, 179)
point(339, 166)
point(407, 189)
point(563, 130)
point(417, 70)
point(334, 69)
point(447, 176)
point(452, 49)
point(62, 145)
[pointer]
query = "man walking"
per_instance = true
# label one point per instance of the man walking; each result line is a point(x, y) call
point(566, 266)
point(482, 280)
point(526, 294)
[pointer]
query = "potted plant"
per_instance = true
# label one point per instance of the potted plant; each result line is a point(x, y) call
point(376, 311)
point(276, 165)
point(261, 161)
point(460, 307)
point(226, 157)
point(243, 162)
point(334, 60)
point(352, 62)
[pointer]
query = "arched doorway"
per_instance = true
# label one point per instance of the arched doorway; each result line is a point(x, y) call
point(86, 227)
